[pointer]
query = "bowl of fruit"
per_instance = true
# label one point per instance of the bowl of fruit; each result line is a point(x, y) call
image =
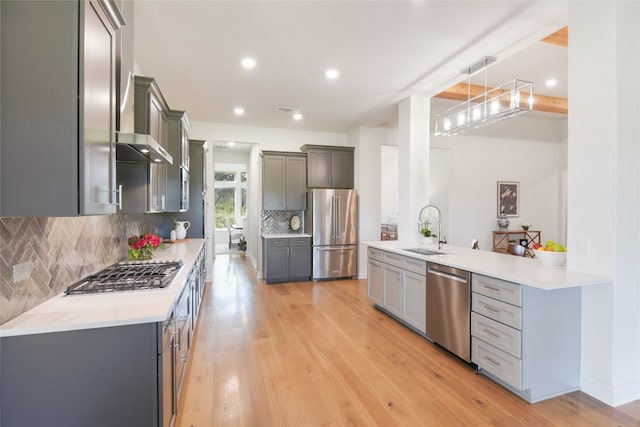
point(552, 253)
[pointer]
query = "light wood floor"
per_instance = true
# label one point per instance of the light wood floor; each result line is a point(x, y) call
point(318, 353)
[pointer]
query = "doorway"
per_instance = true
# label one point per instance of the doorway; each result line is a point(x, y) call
point(230, 198)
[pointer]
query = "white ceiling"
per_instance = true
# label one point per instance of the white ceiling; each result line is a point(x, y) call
point(385, 51)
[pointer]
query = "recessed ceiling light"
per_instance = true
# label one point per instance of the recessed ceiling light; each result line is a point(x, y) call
point(238, 111)
point(248, 62)
point(332, 74)
point(551, 82)
point(297, 115)
point(231, 143)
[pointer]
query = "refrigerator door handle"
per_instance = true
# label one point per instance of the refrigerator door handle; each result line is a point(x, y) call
point(338, 231)
point(333, 249)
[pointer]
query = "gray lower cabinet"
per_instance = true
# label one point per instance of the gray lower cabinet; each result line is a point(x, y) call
point(283, 181)
point(127, 375)
point(286, 259)
point(397, 284)
point(95, 377)
point(329, 167)
point(526, 339)
point(58, 108)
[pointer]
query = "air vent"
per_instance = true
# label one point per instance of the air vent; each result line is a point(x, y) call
point(287, 110)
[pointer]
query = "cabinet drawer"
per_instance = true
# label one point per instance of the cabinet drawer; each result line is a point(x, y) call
point(415, 265)
point(498, 289)
point(504, 313)
point(277, 243)
point(498, 363)
point(392, 258)
point(374, 253)
point(300, 241)
point(498, 335)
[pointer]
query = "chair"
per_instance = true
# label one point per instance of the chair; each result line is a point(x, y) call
point(234, 234)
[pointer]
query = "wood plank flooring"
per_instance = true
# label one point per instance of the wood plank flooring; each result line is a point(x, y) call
point(319, 354)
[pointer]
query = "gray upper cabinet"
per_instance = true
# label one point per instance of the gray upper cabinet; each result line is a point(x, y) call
point(58, 107)
point(144, 185)
point(178, 173)
point(283, 181)
point(329, 167)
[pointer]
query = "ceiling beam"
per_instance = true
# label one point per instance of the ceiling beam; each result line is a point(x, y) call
point(560, 37)
point(544, 103)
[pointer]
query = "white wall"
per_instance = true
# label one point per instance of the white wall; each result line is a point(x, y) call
point(266, 138)
point(389, 185)
point(466, 169)
point(604, 191)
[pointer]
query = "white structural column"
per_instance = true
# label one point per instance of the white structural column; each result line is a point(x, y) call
point(413, 158)
point(604, 191)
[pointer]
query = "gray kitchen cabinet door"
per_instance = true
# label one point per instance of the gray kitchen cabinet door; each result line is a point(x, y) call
point(177, 173)
point(319, 170)
point(273, 183)
point(58, 110)
point(329, 167)
point(342, 169)
point(300, 258)
point(295, 187)
point(277, 263)
point(195, 214)
point(283, 181)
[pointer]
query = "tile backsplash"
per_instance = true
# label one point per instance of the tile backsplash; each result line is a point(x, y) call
point(275, 222)
point(60, 251)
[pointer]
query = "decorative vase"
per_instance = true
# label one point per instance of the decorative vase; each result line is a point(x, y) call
point(428, 240)
point(140, 256)
point(503, 222)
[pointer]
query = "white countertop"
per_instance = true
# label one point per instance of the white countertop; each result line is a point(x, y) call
point(284, 235)
point(74, 312)
point(521, 270)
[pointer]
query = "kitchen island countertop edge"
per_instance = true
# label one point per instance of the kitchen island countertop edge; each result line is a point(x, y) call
point(520, 270)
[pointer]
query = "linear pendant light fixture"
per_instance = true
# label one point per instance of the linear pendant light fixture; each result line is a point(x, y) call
point(494, 104)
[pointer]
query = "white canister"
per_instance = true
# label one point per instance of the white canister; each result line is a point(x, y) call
point(172, 235)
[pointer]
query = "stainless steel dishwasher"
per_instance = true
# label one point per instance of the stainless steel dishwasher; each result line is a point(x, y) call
point(448, 309)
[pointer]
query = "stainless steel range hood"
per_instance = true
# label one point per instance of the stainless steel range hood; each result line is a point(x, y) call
point(139, 148)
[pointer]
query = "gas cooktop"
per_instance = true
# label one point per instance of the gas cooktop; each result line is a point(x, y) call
point(128, 276)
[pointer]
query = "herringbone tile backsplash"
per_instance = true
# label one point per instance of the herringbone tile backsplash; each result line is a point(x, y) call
point(61, 251)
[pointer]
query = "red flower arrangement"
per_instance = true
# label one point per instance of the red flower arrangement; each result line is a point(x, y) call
point(142, 247)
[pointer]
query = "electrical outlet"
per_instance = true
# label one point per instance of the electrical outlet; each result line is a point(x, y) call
point(584, 246)
point(21, 271)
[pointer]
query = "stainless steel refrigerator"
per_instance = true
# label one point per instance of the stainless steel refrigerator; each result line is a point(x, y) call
point(332, 216)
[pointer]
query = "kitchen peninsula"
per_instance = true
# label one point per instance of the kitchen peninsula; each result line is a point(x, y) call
point(521, 320)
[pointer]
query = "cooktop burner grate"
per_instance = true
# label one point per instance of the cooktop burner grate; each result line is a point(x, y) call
point(128, 276)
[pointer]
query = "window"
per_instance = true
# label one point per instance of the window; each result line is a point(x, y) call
point(230, 193)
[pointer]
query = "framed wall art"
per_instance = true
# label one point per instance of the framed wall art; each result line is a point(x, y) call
point(508, 198)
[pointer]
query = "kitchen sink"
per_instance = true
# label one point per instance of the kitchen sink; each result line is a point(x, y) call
point(423, 251)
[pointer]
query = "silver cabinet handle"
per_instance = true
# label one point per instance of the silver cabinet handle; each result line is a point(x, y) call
point(492, 288)
point(488, 307)
point(493, 361)
point(490, 332)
